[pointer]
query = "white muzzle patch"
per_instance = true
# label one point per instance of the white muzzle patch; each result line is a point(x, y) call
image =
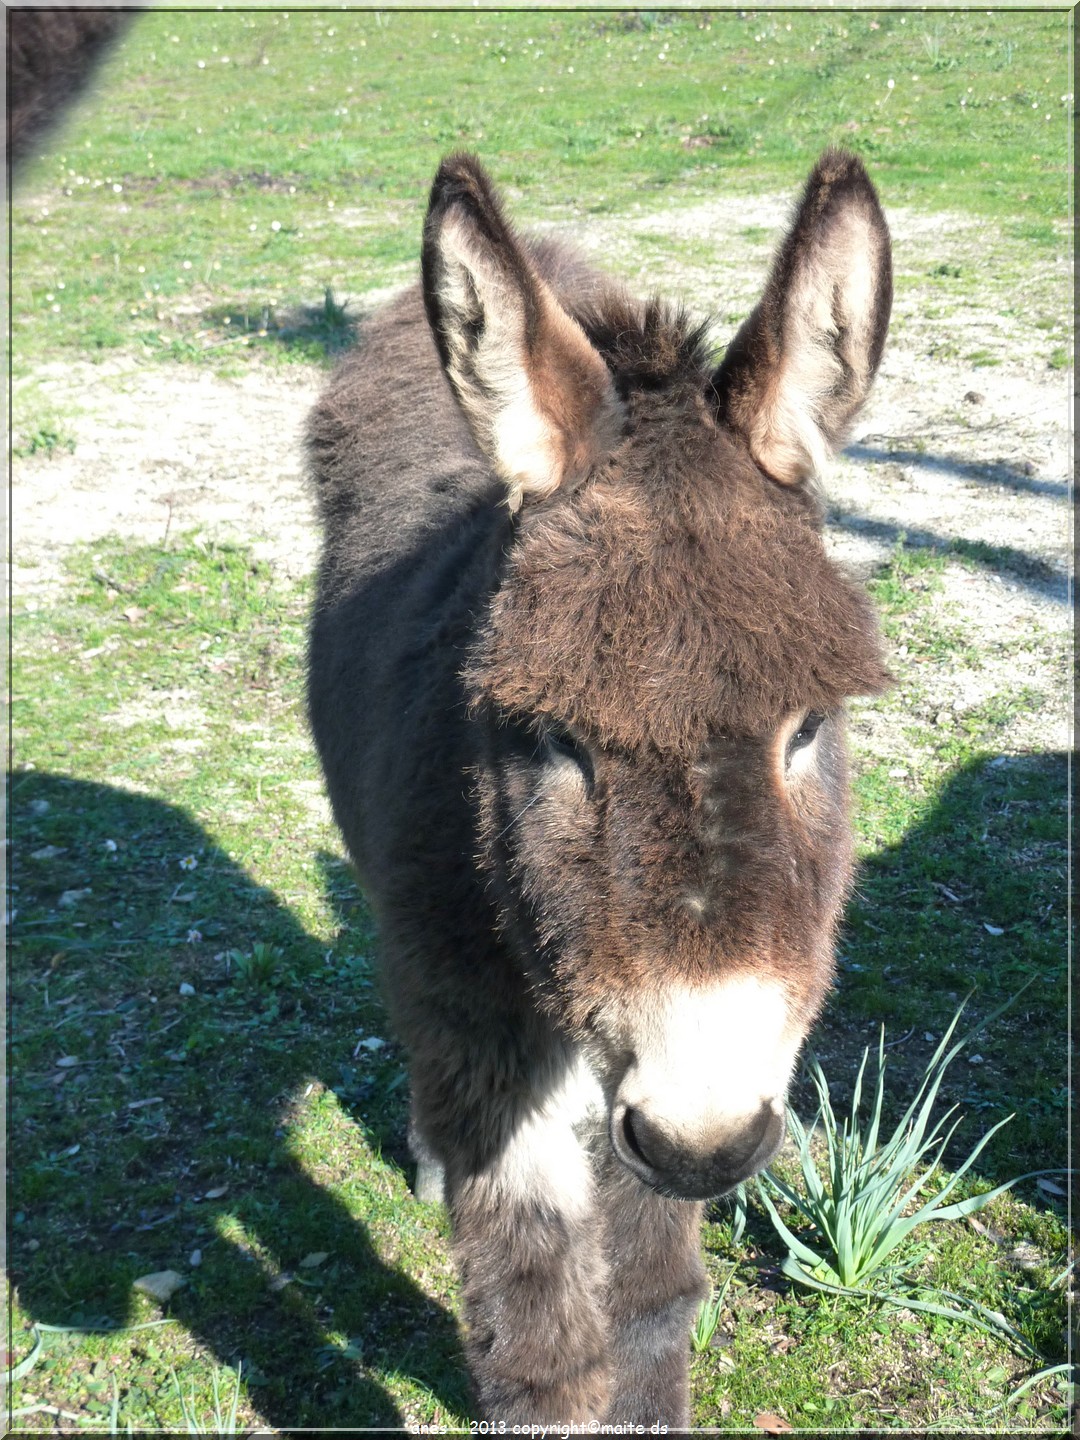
point(706, 1059)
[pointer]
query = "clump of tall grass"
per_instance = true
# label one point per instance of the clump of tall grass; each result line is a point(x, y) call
point(223, 1421)
point(861, 1207)
point(708, 1316)
point(866, 1199)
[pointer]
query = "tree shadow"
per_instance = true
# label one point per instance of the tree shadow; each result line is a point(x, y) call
point(1009, 477)
point(194, 1114)
point(1007, 560)
point(1028, 570)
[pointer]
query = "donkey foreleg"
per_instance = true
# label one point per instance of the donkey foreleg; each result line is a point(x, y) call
point(656, 1282)
point(430, 1184)
point(533, 1277)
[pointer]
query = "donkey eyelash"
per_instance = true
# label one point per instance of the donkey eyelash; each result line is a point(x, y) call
point(811, 724)
point(558, 741)
point(809, 727)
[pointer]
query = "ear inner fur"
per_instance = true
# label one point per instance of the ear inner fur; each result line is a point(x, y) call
point(537, 395)
point(803, 363)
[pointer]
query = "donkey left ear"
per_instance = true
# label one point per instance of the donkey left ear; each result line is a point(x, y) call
point(802, 364)
point(536, 393)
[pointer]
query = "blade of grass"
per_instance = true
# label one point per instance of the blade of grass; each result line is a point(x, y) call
point(28, 1362)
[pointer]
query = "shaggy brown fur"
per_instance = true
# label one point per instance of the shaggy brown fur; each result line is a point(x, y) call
point(601, 623)
point(577, 674)
point(51, 56)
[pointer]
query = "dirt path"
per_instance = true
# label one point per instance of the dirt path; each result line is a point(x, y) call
point(949, 449)
point(162, 450)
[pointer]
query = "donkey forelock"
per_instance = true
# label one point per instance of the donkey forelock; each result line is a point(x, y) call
point(679, 594)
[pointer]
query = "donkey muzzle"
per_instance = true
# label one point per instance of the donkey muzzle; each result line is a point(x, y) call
point(711, 1164)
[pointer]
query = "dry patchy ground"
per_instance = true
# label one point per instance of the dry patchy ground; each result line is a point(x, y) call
point(967, 437)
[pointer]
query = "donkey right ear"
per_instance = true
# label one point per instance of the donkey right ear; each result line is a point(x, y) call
point(802, 364)
point(538, 397)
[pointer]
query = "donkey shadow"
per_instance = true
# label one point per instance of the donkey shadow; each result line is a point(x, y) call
point(310, 1347)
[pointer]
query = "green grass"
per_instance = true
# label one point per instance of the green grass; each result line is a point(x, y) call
point(192, 972)
point(46, 438)
point(229, 1120)
point(236, 167)
point(40, 431)
point(192, 979)
point(826, 1363)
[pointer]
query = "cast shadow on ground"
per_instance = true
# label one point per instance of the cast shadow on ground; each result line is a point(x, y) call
point(971, 901)
point(1010, 563)
point(996, 839)
point(1005, 476)
point(145, 1209)
point(320, 332)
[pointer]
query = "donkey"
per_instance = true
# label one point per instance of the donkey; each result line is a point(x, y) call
point(577, 672)
point(52, 55)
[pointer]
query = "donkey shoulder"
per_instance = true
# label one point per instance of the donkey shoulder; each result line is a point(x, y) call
point(391, 459)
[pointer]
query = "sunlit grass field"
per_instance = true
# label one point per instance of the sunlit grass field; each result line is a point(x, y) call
point(233, 168)
point(205, 1087)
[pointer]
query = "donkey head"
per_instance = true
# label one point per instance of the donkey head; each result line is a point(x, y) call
point(660, 681)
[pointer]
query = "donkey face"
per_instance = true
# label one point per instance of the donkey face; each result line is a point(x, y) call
point(661, 679)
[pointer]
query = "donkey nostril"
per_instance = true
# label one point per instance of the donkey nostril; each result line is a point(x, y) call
point(680, 1166)
point(632, 1127)
point(642, 1146)
point(751, 1150)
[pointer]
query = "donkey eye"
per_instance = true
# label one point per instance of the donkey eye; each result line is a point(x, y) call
point(811, 724)
point(560, 744)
